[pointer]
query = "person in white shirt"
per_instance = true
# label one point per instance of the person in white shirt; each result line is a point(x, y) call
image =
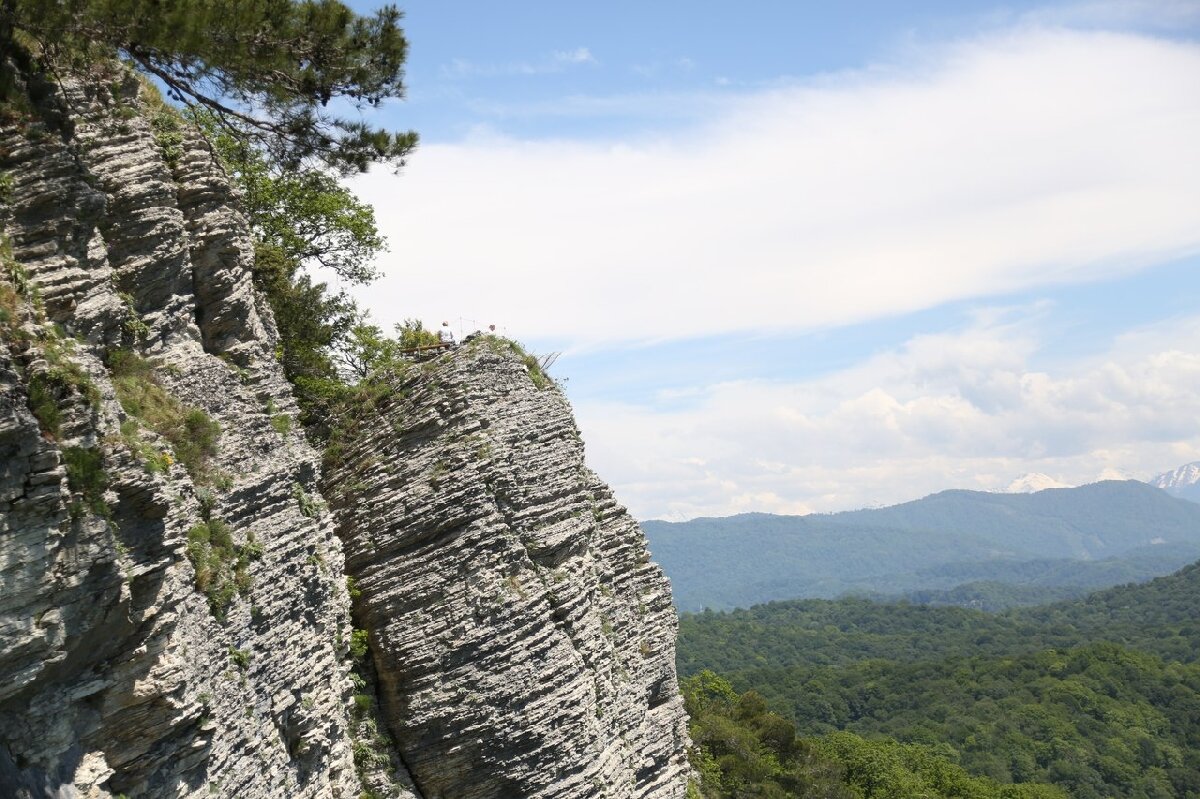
point(445, 335)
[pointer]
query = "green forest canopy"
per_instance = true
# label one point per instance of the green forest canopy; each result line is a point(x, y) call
point(743, 749)
point(1099, 696)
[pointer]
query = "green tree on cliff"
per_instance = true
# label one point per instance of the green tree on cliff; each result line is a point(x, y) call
point(271, 71)
point(302, 219)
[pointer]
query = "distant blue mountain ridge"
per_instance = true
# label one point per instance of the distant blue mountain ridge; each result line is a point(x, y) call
point(1060, 539)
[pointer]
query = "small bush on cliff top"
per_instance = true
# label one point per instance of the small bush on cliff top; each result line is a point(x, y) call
point(535, 366)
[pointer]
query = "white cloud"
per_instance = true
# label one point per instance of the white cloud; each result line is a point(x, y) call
point(558, 61)
point(1000, 164)
point(995, 165)
point(580, 55)
point(963, 409)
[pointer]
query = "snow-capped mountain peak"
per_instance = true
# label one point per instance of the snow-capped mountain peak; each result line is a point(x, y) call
point(1182, 482)
point(1032, 483)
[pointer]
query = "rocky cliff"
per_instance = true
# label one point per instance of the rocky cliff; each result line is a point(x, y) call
point(174, 612)
point(523, 640)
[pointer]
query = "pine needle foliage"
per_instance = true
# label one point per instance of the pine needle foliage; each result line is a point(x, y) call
point(307, 216)
point(301, 220)
point(288, 75)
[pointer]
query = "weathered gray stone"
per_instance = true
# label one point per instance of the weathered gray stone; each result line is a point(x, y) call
point(523, 644)
point(524, 641)
point(114, 675)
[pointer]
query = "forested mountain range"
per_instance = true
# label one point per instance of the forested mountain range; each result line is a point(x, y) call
point(1087, 537)
point(1159, 617)
point(1099, 696)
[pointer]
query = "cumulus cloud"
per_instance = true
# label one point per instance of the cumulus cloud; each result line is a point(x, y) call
point(965, 409)
point(997, 164)
point(1035, 157)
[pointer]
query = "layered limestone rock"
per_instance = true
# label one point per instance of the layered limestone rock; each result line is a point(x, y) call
point(177, 625)
point(523, 640)
point(116, 676)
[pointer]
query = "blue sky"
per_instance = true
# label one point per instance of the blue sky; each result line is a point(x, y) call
point(806, 257)
point(513, 65)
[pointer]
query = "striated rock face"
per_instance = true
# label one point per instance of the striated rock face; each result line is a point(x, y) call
point(115, 675)
point(524, 642)
point(175, 626)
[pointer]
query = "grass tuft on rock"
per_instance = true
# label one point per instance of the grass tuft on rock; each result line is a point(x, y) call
point(86, 477)
point(191, 432)
point(222, 567)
